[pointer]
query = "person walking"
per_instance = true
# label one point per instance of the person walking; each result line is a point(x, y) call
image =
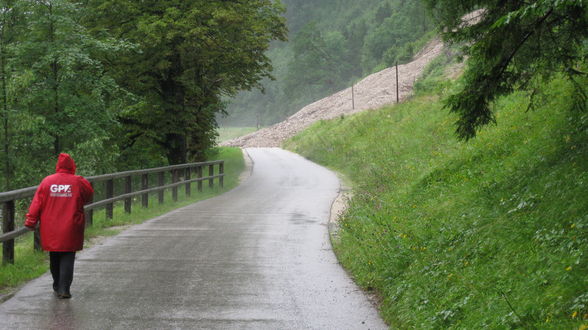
point(58, 207)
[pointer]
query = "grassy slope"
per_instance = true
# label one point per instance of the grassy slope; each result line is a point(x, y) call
point(492, 232)
point(30, 264)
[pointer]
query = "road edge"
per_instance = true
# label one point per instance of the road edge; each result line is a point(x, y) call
point(338, 208)
point(249, 163)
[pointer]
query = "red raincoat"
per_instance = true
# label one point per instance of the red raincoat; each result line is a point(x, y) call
point(59, 206)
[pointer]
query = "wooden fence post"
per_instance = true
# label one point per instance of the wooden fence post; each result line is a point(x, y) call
point(89, 216)
point(161, 182)
point(128, 190)
point(210, 174)
point(353, 97)
point(200, 177)
point(397, 93)
point(221, 172)
point(144, 186)
point(187, 177)
point(8, 225)
point(109, 194)
point(174, 175)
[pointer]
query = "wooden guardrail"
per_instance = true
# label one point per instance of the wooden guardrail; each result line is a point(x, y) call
point(180, 175)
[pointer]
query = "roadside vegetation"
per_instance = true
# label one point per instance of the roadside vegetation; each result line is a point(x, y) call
point(490, 233)
point(123, 84)
point(30, 264)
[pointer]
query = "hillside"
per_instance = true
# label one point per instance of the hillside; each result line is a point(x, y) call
point(372, 92)
point(332, 44)
point(492, 233)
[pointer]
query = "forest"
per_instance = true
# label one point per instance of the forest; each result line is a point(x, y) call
point(332, 44)
point(123, 84)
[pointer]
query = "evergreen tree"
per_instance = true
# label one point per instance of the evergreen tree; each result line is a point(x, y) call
point(508, 44)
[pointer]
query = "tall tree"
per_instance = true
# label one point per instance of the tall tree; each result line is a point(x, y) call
point(508, 43)
point(9, 20)
point(61, 84)
point(192, 53)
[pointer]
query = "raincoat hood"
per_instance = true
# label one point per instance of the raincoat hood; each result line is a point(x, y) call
point(65, 164)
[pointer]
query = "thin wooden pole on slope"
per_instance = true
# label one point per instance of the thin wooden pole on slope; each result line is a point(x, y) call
point(397, 90)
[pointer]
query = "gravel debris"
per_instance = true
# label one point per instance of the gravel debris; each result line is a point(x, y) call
point(372, 92)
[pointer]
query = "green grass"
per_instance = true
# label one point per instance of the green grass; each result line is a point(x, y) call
point(227, 133)
point(30, 264)
point(491, 233)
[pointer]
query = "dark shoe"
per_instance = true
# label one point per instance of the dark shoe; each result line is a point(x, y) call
point(63, 295)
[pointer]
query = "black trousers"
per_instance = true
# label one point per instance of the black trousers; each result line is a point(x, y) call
point(62, 268)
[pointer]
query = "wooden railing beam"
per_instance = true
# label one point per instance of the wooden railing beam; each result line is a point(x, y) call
point(7, 199)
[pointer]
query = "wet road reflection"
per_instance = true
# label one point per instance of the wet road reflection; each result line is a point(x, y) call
point(257, 257)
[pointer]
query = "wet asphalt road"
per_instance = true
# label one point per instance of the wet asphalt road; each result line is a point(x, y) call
point(257, 257)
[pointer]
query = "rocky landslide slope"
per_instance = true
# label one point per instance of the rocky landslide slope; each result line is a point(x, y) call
point(372, 92)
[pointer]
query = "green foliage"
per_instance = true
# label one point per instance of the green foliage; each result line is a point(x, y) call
point(66, 84)
point(192, 53)
point(486, 234)
point(122, 84)
point(391, 40)
point(433, 79)
point(333, 44)
point(321, 56)
point(9, 26)
point(29, 264)
point(56, 94)
point(508, 46)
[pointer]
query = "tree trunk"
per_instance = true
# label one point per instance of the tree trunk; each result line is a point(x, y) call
point(175, 142)
point(176, 148)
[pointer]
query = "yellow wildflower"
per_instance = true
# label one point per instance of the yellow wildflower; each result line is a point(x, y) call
point(574, 314)
point(569, 268)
